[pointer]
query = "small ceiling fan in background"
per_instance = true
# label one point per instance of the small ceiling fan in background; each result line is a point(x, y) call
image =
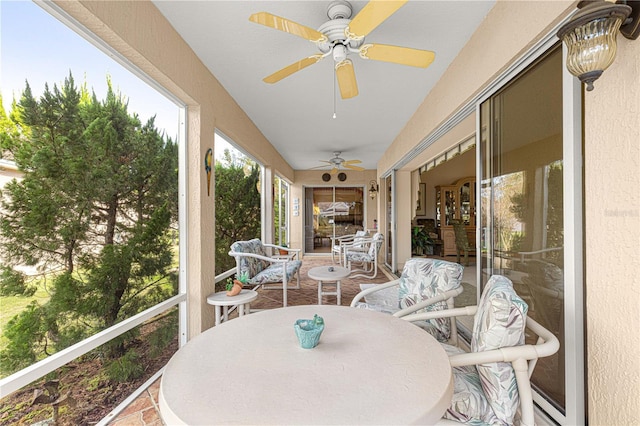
point(341, 36)
point(338, 162)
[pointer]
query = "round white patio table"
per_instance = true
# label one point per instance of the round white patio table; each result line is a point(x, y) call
point(328, 274)
point(369, 368)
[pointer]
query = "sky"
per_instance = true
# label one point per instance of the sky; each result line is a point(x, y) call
point(38, 48)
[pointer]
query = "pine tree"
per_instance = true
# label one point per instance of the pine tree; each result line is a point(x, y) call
point(96, 209)
point(237, 206)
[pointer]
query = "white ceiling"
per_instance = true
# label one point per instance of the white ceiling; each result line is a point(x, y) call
point(295, 114)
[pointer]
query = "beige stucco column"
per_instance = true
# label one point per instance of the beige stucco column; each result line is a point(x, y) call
point(612, 240)
point(200, 222)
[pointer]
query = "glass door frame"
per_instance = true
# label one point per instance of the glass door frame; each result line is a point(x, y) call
point(305, 212)
point(389, 211)
point(574, 341)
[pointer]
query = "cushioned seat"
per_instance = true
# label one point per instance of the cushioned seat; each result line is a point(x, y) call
point(252, 259)
point(425, 285)
point(365, 253)
point(338, 244)
point(491, 383)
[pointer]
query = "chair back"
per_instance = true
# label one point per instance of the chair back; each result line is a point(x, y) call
point(424, 278)
point(499, 322)
point(358, 237)
point(376, 243)
point(462, 240)
point(248, 264)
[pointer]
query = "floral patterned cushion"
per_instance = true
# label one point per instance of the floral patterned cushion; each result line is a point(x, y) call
point(385, 300)
point(423, 279)
point(469, 404)
point(274, 273)
point(499, 322)
point(249, 264)
point(366, 256)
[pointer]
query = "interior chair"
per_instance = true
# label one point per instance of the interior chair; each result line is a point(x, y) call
point(462, 241)
point(365, 253)
point(252, 258)
point(338, 244)
point(492, 382)
point(425, 285)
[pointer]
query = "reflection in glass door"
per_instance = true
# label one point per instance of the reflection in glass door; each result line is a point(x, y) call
point(331, 212)
point(521, 198)
point(389, 206)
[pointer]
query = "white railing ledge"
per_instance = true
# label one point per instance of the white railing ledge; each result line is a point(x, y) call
point(34, 372)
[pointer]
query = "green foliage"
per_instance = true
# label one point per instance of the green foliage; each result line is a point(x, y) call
point(125, 368)
point(13, 283)
point(237, 208)
point(165, 333)
point(26, 332)
point(243, 277)
point(419, 240)
point(229, 285)
point(98, 204)
point(97, 382)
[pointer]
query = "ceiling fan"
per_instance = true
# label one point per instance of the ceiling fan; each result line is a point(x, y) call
point(341, 36)
point(338, 162)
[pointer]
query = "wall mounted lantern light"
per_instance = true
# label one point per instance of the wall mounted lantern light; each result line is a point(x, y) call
point(590, 36)
point(373, 189)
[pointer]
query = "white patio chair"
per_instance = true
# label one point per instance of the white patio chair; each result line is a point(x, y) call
point(252, 259)
point(365, 253)
point(491, 383)
point(425, 285)
point(337, 244)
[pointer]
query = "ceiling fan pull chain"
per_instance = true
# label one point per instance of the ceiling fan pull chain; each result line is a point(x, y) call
point(334, 92)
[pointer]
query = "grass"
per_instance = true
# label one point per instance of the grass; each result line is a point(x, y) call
point(12, 305)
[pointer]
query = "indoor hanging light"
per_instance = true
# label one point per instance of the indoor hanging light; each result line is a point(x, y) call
point(373, 189)
point(590, 36)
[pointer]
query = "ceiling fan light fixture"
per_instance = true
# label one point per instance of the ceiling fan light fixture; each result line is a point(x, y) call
point(339, 52)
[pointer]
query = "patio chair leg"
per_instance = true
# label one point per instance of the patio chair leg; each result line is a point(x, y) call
point(284, 291)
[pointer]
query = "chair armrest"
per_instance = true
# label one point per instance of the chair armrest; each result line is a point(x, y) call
point(342, 238)
point(547, 345)
point(296, 252)
point(373, 289)
point(258, 256)
point(447, 313)
point(427, 302)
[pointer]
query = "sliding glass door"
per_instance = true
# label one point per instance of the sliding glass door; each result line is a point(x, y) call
point(329, 212)
point(522, 216)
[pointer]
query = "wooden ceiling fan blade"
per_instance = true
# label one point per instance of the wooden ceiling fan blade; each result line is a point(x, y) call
point(349, 166)
point(346, 79)
point(352, 162)
point(372, 14)
point(334, 171)
point(295, 67)
point(291, 27)
point(397, 55)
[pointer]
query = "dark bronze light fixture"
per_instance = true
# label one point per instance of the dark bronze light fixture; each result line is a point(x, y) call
point(373, 189)
point(591, 34)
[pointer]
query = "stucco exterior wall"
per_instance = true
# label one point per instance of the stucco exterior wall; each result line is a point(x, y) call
point(612, 217)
